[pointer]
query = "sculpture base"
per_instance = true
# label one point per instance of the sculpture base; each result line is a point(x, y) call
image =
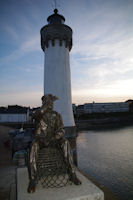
point(86, 191)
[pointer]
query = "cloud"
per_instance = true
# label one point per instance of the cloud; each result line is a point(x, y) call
point(102, 52)
point(101, 57)
point(103, 77)
point(34, 68)
point(30, 45)
point(121, 92)
point(21, 98)
point(103, 69)
point(10, 30)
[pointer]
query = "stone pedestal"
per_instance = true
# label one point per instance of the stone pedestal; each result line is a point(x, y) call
point(86, 191)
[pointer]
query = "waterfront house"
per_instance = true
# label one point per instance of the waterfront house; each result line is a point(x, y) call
point(14, 114)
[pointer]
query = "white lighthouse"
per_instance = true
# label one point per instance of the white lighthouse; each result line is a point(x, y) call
point(56, 42)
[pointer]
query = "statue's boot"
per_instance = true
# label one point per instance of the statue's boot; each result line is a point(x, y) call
point(32, 186)
point(74, 179)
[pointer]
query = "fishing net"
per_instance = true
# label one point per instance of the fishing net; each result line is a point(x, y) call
point(52, 169)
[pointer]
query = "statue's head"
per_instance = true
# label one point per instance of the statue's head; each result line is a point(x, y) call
point(48, 100)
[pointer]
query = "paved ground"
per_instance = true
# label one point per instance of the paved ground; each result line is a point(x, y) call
point(7, 180)
point(7, 170)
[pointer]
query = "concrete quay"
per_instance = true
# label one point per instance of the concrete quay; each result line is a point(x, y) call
point(86, 191)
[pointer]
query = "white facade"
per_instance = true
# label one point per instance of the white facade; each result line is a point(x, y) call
point(8, 117)
point(106, 107)
point(57, 79)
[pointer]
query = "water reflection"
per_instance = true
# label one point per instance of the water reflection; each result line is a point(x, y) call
point(107, 155)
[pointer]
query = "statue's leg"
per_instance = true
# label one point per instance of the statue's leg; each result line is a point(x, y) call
point(69, 158)
point(68, 154)
point(32, 167)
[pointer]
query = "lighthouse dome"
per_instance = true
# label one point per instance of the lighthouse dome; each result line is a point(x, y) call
point(56, 18)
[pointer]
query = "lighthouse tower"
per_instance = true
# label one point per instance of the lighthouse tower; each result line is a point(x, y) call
point(56, 42)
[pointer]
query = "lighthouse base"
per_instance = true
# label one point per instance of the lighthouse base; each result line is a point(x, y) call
point(71, 135)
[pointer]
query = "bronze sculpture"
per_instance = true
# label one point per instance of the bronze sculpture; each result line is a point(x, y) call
point(49, 129)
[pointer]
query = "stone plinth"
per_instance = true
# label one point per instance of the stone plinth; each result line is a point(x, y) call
point(86, 191)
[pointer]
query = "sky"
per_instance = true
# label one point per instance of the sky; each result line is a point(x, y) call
point(101, 59)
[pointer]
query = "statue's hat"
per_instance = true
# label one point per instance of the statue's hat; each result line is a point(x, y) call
point(49, 98)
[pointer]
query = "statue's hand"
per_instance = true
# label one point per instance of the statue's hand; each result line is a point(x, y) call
point(39, 136)
point(57, 137)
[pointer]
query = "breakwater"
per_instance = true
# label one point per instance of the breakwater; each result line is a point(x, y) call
point(105, 122)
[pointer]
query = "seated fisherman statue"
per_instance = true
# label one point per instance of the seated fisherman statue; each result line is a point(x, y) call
point(49, 124)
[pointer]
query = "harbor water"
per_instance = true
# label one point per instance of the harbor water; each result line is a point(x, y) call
point(107, 156)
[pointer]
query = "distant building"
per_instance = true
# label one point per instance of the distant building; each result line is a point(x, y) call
point(14, 114)
point(89, 108)
point(74, 108)
point(130, 103)
point(80, 110)
point(106, 107)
